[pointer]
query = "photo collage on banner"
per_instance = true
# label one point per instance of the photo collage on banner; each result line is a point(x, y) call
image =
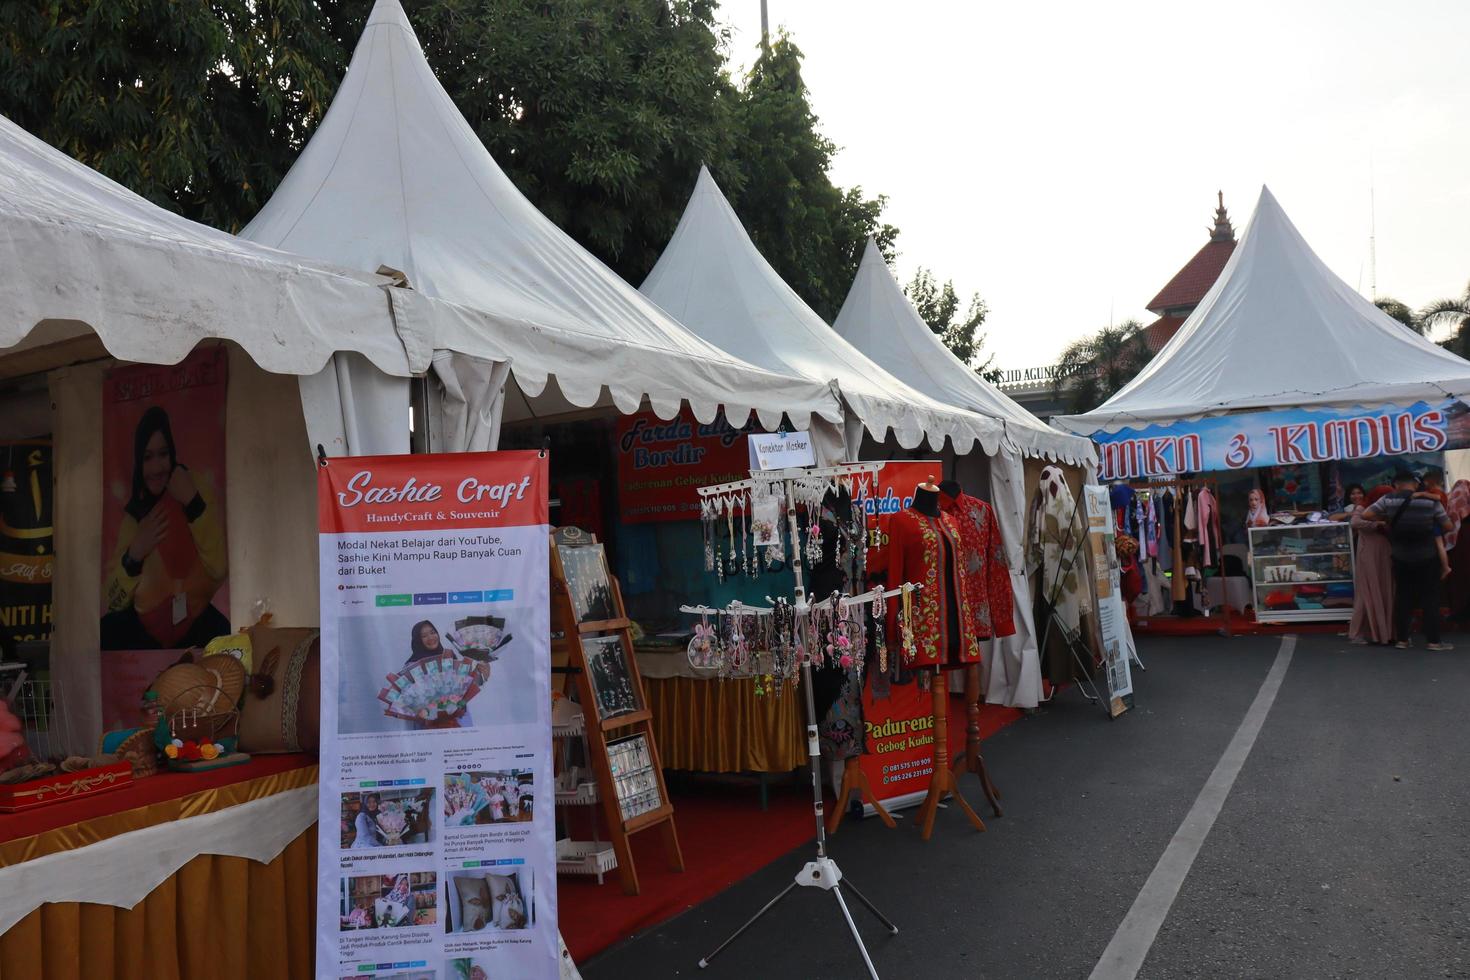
point(436, 849)
point(165, 565)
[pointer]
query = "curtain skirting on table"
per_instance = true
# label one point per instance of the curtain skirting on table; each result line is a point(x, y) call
point(723, 726)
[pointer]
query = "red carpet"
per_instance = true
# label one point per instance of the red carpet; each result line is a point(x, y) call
point(1241, 624)
point(725, 837)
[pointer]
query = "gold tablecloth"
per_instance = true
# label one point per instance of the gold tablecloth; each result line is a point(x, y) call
point(216, 918)
point(722, 726)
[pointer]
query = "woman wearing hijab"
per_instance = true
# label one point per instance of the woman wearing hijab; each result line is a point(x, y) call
point(424, 643)
point(169, 559)
point(366, 824)
point(1372, 579)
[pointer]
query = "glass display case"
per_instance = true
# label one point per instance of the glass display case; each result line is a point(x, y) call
point(1302, 572)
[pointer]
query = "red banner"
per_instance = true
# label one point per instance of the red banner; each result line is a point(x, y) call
point(437, 492)
point(660, 463)
point(900, 727)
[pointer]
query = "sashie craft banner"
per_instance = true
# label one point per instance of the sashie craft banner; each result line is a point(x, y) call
point(436, 840)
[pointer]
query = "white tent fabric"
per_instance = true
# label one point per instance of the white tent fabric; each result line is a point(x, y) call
point(714, 280)
point(1012, 672)
point(78, 248)
point(1279, 330)
point(394, 176)
point(878, 319)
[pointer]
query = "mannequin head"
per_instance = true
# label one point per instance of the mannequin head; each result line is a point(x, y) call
point(926, 499)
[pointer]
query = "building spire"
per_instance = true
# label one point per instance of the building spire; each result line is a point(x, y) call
point(1223, 230)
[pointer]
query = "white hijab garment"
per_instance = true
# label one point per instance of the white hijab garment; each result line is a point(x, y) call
point(1056, 537)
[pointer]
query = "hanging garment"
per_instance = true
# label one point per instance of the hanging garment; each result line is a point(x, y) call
point(1120, 498)
point(1055, 558)
point(1458, 509)
point(1151, 533)
point(922, 550)
point(1166, 530)
point(1209, 524)
point(982, 554)
point(1191, 521)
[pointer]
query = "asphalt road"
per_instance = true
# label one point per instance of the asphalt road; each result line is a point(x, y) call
point(1340, 850)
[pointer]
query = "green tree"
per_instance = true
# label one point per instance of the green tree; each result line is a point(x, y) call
point(601, 112)
point(1453, 312)
point(198, 106)
point(939, 306)
point(811, 231)
point(1095, 368)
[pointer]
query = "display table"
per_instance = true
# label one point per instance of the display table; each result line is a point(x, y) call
point(704, 724)
point(175, 877)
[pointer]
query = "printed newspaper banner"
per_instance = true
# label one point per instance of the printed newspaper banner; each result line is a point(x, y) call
point(900, 727)
point(1281, 438)
point(436, 841)
point(165, 561)
point(1117, 638)
point(660, 463)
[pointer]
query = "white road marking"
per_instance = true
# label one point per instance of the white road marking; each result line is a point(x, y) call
point(1135, 936)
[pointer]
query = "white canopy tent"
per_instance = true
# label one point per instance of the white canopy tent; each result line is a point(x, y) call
point(395, 177)
point(879, 320)
point(1279, 330)
point(713, 279)
point(92, 270)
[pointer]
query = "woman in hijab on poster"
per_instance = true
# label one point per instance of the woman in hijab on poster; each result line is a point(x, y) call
point(424, 642)
point(170, 556)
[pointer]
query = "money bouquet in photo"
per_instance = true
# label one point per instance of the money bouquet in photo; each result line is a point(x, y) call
point(478, 637)
point(393, 819)
point(434, 690)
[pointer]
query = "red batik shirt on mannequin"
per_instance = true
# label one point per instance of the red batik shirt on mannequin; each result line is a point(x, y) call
point(919, 549)
point(983, 555)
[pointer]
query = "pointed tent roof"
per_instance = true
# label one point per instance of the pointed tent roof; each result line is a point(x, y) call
point(394, 176)
point(1279, 330)
point(713, 279)
point(79, 249)
point(878, 319)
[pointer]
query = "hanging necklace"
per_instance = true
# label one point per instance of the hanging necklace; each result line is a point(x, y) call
point(880, 620)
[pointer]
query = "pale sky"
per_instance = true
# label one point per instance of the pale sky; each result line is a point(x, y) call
point(1062, 158)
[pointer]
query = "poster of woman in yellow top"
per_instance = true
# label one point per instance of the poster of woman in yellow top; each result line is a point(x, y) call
point(165, 562)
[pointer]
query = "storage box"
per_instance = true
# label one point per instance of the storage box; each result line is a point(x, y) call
point(61, 786)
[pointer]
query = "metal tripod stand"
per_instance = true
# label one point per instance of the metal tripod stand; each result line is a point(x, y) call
point(822, 872)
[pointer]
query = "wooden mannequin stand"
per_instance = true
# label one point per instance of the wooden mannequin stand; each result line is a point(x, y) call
point(971, 760)
point(855, 780)
point(942, 782)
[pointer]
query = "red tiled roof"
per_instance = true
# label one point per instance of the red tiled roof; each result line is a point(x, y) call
point(1190, 283)
point(1161, 331)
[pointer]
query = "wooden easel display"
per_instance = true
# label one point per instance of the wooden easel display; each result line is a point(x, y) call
point(619, 723)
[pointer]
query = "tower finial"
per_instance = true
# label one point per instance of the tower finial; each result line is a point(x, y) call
point(1223, 230)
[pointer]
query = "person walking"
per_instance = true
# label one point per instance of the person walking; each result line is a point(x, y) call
point(1413, 524)
point(1372, 577)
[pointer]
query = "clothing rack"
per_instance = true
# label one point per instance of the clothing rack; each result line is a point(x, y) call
point(1178, 584)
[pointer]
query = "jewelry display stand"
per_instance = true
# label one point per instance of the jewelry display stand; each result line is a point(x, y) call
point(821, 872)
point(971, 760)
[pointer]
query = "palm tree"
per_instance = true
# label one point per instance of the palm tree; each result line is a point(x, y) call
point(1400, 312)
point(1093, 369)
point(1454, 313)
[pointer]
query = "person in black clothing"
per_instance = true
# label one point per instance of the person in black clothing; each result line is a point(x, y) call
point(1414, 523)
